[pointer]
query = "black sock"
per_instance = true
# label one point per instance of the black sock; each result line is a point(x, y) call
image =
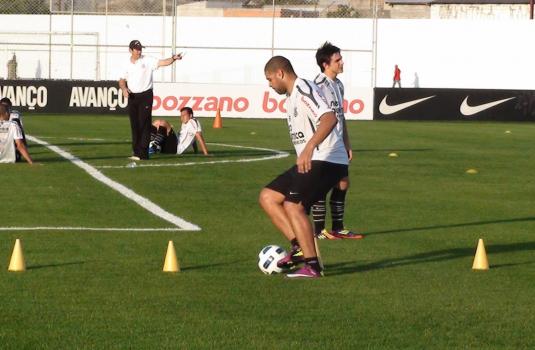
point(337, 203)
point(318, 215)
point(295, 244)
point(314, 263)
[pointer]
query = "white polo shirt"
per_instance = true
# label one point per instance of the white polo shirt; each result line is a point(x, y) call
point(305, 106)
point(139, 75)
point(9, 132)
point(187, 134)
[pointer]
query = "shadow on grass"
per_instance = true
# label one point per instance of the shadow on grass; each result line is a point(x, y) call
point(208, 266)
point(434, 227)
point(349, 267)
point(35, 267)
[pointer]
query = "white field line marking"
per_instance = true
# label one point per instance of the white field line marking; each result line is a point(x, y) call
point(125, 191)
point(83, 139)
point(277, 154)
point(51, 228)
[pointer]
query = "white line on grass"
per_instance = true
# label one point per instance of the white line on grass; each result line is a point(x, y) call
point(51, 228)
point(125, 191)
point(277, 154)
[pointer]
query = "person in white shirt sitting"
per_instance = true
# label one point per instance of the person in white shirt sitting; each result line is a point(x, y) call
point(165, 140)
point(11, 139)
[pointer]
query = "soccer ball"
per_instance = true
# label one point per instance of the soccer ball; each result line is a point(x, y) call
point(268, 257)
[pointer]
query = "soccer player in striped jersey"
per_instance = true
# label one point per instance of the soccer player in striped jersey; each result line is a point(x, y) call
point(329, 59)
point(321, 163)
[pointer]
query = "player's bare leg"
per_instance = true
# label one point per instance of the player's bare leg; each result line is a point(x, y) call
point(162, 123)
point(272, 203)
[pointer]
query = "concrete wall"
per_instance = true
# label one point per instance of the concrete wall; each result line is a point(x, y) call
point(430, 53)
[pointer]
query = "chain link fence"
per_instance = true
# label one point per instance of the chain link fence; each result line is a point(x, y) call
point(229, 8)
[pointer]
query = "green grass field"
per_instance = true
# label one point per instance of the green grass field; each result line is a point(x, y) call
point(407, 285)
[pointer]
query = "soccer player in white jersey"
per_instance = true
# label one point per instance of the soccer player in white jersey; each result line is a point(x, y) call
point(15, 116)
point(11, 139)
point(164, 139)
point(329, 59)
point(321, 163)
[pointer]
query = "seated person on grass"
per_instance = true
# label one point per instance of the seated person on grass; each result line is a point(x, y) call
point(11, 139)
point(163, 138)
point(14, 116)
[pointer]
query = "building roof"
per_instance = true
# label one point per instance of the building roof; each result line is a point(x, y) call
point(455, 2)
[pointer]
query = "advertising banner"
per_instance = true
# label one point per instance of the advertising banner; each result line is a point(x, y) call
point(243, 101)
point(454, 104)
point(64, 96)
point(104, 97)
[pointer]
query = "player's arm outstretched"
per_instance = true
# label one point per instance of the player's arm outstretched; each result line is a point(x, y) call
point(23, 150)
point(200, 139)
point(170, 60)
point(327, 123)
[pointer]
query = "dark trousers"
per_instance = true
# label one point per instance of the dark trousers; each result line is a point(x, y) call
point(140, 112)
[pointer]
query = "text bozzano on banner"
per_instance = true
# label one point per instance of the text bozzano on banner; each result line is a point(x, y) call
point(243, 101)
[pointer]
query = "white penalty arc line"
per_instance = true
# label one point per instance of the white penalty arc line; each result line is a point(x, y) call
point(277, 154)
point(125, 191)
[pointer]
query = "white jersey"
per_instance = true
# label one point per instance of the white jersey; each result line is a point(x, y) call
point(139, 75)
point(187, 134)
point(333, 90)
point(9, 132)
point(305, 106)
point(16, 115)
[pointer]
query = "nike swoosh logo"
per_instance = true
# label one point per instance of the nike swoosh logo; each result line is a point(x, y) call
point(387, 109)
point(471, 110)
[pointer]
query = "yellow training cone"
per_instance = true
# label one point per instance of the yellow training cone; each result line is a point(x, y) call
point(480, 260)
point(17, 258)
point(171, 262)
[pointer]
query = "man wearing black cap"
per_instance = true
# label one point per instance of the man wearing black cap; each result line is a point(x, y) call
point(136, 84)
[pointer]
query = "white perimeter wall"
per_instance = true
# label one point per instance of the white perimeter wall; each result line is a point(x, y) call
point(441, 53)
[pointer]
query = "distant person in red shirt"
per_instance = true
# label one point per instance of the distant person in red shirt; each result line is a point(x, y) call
point(397, 76)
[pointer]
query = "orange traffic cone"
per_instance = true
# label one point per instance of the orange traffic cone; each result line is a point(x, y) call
point(171, 262)
point(218, 122)
point(480, 260)
point(17, 262)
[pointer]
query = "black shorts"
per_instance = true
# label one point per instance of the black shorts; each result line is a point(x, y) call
point(310, 187)
point(170, 144)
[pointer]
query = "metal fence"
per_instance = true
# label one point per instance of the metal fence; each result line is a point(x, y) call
point(241, 8)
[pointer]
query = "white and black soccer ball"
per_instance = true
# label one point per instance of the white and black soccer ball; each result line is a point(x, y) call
point(268, 257)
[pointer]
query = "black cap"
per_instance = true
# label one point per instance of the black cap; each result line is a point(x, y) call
point(135, 44)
